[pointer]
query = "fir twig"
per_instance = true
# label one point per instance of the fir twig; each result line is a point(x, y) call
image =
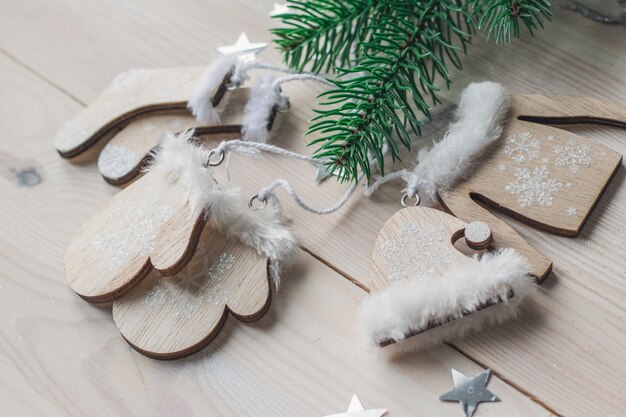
point(390, 55)
point(502, 18)
point(325, 33)
point(407, 51)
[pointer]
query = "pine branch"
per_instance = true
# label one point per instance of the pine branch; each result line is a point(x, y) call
point(324, 32)
point(397, 50)
point(408, 50)
point(502, 18)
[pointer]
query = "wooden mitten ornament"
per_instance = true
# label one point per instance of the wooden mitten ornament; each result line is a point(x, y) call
point(423, 288)
point(544, 176)
point(146, 240)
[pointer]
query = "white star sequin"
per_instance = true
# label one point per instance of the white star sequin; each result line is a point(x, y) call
point(571, 211)
point(279, 8)
point(522, 147)
point(243, 46)
point(533, 187)
point(573, 155)
point(355, 409)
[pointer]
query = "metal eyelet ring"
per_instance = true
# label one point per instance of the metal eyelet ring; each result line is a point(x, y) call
point(253, 199)
point(404, 198)
point(231, 86)
point(284, 108)
point(210, 163)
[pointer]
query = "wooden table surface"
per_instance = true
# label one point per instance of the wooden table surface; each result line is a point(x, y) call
point(61, 356)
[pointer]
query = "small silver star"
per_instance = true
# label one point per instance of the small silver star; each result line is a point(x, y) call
point(470, 391)
point(279, 8)
point(355, 409)
point(244, 47)
point(324, 172)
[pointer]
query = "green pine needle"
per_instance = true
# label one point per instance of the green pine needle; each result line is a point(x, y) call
point(389, 56)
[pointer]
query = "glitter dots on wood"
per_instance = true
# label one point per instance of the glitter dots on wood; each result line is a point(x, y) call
point(168, 317)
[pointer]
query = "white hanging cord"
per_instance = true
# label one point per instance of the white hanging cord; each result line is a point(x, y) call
point(268, 192)
point(299, 77)
point(251, 148)
point(482, 109)
point(412, 180)
point(240, 73)
point(217, 155)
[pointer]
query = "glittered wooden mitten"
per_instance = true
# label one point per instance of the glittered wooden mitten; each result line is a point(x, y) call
point(168, 317)
point(541, 175)
point(424, 291)
point(154, 223)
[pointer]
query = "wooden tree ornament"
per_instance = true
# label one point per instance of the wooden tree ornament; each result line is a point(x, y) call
point(169, 317)
point(422, 285)
point(541, 175)
point(138, 93)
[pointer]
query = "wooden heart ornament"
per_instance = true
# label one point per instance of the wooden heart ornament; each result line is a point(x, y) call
point(168, 317)
point(541, 175)
point(155, 222)
point(424, 289)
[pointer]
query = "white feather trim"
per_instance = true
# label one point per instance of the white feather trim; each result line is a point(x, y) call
point(481, 112)
point(179, 158)
point(258, 111)
point(200, 102)
point(409, 306)
point(260, 229)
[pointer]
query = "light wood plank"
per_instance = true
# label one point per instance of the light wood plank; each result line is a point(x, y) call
point(60, 355)
point(573, 56)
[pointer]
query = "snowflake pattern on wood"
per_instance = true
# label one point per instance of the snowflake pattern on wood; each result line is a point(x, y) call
point(416, 253)
point(534, 187)
point(573, 155)
point(522, 147)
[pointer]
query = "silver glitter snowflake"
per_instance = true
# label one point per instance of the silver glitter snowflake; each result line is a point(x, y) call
point(416, 253)
point(522, 147)
point(534, 187)
point(573, 155)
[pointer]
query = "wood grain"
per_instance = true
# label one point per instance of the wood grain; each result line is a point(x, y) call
point(566, 351)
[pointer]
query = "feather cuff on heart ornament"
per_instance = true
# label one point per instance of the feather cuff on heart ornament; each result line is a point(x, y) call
point(156, 223)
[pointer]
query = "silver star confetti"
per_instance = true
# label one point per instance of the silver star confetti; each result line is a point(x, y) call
point(355, 409)
point(244, 47)
point(470, 391)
